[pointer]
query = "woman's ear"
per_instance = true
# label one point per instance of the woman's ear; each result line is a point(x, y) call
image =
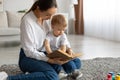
point(38, 7)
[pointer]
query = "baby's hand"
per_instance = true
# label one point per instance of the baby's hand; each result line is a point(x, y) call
point(70, 51)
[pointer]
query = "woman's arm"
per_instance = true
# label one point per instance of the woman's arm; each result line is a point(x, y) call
point(28, 41)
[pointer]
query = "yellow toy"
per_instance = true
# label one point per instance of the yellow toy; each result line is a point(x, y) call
point(117, 77)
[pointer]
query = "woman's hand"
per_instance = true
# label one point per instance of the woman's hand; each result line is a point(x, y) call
point(57, 61)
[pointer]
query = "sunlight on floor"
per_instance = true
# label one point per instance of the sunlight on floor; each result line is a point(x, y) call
point(88, 46)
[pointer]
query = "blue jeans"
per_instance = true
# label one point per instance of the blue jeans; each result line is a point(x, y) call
point(72, 65)
point(38, 70)
point(41, 70)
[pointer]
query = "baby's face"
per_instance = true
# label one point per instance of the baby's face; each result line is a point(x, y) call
point(58, 30)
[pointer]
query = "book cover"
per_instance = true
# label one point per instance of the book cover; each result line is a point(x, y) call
point(63, 55)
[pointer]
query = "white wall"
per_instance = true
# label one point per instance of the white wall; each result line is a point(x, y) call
point(16, 5)
point(64, 6)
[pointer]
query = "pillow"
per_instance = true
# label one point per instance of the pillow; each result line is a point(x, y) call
point(14, 19)
point(3, 20)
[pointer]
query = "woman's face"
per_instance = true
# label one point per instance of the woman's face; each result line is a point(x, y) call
point(47, 14)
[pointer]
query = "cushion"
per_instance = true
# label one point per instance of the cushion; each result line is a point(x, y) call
point(9, 31)
point(11, 69)
point(3, 20)
point(14, 19)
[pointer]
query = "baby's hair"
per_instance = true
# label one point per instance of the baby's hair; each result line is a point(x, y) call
point(59, 19)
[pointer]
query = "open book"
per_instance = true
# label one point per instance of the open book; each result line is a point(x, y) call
point(63, 55)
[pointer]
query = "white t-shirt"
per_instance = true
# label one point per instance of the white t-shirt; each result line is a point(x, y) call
point(56, 42)
point(32, 36)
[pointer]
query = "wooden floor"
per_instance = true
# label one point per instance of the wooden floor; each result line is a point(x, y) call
point(94, 47)
point(88, 46)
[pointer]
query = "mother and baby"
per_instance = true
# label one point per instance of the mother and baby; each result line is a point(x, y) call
point(39, 38)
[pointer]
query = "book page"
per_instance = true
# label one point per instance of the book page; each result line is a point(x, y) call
point(63, 55)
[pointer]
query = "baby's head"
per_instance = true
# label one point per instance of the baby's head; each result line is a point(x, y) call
point(58, 24)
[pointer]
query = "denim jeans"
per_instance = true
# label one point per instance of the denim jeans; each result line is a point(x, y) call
point(41, 70)
point(38, 70)
point(72, 65)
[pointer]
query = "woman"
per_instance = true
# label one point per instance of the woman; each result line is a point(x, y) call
point(34, 28)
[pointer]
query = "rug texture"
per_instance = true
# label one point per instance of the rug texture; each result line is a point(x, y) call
point(98, 68)
point(92, 69)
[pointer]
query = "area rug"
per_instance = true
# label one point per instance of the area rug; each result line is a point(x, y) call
point(92, 69)
point(98, 68)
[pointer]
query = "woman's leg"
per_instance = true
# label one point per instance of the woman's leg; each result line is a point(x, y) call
point(38, 70)
point(57, 68)
point(47, 75)
point(72, 65)
point(25, 62)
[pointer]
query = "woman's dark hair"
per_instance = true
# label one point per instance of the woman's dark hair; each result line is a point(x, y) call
point(46, 4)
point(43, 5)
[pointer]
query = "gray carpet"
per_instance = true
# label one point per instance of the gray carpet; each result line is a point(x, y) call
point(92, 69)
point(98, 68)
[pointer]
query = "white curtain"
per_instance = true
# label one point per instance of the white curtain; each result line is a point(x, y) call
point(102, 19)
